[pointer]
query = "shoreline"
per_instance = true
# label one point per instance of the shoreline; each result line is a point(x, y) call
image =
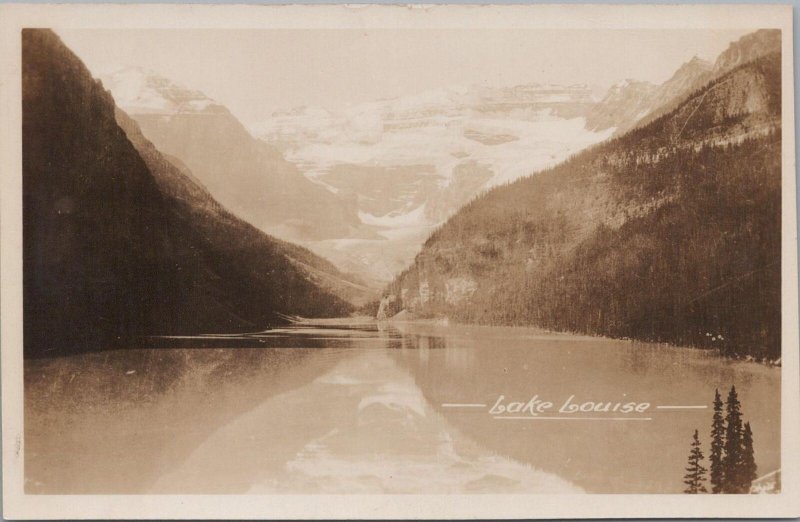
point(445, 322)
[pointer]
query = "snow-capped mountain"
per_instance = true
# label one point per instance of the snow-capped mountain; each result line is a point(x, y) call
point(411, 162)
point(438, 129)
point(145, 92)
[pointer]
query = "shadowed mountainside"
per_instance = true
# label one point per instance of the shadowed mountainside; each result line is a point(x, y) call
point(118, 244)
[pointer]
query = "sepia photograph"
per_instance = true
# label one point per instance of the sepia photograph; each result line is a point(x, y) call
point(378, 256)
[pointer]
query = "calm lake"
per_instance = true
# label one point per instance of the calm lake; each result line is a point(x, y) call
point(358, 408)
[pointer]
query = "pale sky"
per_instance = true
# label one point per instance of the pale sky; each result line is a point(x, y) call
point(256, 72)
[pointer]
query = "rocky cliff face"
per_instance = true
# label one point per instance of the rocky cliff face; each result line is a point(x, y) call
point(668, 233)
point(118, 242)
point(628, 103)
point(748, 48)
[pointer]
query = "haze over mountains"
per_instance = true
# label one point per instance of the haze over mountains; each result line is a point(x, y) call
point(363, 188)
point(366, 185)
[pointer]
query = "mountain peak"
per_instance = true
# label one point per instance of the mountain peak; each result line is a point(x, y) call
point(141, 91)
point(690, 75)
point(697, 63)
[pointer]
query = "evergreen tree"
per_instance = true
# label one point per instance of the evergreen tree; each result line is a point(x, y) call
point(695, 472)
point(731, 461)
point(748, 463)
point(717, 475)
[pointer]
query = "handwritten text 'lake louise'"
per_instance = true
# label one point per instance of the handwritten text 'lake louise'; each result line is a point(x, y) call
point(571, 405)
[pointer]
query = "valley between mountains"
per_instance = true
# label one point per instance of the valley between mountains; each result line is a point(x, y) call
point(650, 212)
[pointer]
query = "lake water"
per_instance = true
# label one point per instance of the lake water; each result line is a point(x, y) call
point(358, 408)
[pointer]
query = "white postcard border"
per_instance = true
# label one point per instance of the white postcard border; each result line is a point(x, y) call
point(18, 505)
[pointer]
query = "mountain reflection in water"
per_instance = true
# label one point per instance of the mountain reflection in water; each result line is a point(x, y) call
point(343, 408)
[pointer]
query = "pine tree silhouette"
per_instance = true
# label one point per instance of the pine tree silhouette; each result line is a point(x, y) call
point(717, 475)
point(748, 461)
point(695, 472)
point(732, 459)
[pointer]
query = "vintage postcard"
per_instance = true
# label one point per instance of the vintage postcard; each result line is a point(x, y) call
point(363, 261)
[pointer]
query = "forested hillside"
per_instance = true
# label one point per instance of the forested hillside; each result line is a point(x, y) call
point(668, 233)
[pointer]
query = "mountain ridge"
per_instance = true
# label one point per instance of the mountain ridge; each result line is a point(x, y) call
point(689, 77)
point(269, 192)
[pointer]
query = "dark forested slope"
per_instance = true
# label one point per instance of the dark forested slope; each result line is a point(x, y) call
point(668, 233)
point(116, 246)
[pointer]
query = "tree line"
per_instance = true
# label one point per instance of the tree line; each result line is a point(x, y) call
point(731, 458)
